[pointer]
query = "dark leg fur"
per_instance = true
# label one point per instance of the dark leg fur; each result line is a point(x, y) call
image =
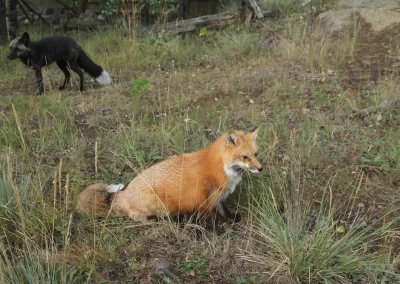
point(39, 80)
point(74, 67)
point(63, 66)
point(225, 212)
point(201, 217)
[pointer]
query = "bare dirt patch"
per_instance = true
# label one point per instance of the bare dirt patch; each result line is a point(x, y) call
point(376, 56)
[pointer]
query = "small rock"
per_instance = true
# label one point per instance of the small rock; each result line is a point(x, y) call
point(267, 43)
point(161, 265)
point(380, 14)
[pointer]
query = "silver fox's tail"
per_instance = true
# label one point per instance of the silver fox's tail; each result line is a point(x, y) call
point(93, 69)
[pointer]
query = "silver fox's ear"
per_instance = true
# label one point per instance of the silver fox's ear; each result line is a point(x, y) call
point(25, 39)
point(232, 138)
point(254, 133)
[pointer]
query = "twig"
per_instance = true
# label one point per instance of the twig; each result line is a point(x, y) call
point(64, 5)
point(67, 21)
point(96, 156)
point(69, 17)
point(18, 122)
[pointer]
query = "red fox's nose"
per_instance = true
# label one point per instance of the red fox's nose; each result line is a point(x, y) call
point(260, 169)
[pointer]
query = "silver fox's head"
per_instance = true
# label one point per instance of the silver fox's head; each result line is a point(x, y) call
point(20, 47)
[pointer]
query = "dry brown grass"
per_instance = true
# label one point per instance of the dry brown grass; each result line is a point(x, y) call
point(313, 146)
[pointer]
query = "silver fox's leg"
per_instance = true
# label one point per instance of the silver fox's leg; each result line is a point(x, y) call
point(221, 209)
point(74, 67)
point(225, 212)
point(63, 66)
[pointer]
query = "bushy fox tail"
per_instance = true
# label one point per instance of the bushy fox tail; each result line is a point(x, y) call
point(93, 69)
point(96, 199)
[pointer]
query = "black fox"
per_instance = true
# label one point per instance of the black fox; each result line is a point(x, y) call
point(64, 51)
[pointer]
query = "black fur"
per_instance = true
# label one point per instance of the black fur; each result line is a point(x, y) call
point(111, 195)
point(110, 198)
point(64, 51)
point(233, 217)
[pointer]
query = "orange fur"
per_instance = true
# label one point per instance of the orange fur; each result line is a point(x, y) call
point(190, 182)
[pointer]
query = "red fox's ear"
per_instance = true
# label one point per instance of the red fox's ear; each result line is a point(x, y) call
point(232, 138)
point(25, 39)
point(254, 133)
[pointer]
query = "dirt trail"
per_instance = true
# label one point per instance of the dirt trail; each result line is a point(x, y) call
point(376, 56)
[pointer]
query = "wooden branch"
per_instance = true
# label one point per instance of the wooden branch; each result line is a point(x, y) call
point(64, 5)
point(24, 11)
point(69, 17)
point(34, 12)
point(369, 110)
point(182, 26)
point(256, 9)
point(67, 7)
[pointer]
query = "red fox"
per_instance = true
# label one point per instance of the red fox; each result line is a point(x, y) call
point(191, 182)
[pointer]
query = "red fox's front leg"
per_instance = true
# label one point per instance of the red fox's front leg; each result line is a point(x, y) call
point(201, 217)
point(208, 205)
point(202, 214)
point(138, 216)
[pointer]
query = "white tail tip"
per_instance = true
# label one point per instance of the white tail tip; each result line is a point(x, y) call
point(104, 78)
point(114, 187)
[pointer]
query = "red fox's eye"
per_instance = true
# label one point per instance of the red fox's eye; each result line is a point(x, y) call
point(245, 157)
point(256, 154)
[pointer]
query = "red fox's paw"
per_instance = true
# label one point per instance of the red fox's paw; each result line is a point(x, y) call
point(138, 217)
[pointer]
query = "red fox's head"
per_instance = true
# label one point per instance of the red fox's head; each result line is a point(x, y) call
point(20, 47)
point(241, 151)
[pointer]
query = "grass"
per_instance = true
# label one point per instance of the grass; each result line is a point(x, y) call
point(320, 245)
point(325, 210)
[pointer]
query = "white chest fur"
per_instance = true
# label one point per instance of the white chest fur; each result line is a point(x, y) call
point(234, 178)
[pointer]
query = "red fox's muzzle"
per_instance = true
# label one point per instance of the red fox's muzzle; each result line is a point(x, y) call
point(256, 167)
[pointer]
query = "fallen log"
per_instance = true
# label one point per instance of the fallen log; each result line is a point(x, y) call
point(182, 26)
point(209, 21)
